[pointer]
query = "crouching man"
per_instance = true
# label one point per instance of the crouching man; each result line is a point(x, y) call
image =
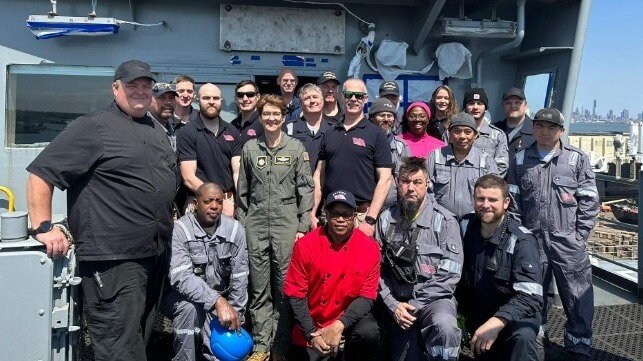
point(208, 274)
point(501, 292)
point(422, 262)
point(332, 283)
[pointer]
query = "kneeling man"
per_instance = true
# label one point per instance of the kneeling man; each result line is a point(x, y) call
point(208, 274)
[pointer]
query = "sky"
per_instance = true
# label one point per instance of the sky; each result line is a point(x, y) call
point(612, 66)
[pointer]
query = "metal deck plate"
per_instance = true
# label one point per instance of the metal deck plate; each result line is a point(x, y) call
point(618, 336)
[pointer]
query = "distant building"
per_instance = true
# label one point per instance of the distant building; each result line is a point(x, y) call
point(625, 114)
point(594, 110)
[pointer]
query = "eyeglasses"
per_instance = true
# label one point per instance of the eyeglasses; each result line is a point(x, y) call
point(181, 91)
point(358, 95)
point(345, 215)
point(240, 95)
point(269, 114)
point(164, 86)
point(417, 117)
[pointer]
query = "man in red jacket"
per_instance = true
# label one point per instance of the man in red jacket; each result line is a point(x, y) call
point(331, 283)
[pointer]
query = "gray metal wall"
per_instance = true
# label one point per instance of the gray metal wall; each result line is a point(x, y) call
point(190, 44)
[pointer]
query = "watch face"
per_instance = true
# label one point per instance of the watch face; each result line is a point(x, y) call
point(370, 220)
point(45, 227)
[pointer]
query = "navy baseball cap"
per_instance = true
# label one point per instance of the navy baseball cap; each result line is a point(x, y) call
point(342, 196)
point(161, 88)
point(131, 70)
point(389, 88)
point(327, 76)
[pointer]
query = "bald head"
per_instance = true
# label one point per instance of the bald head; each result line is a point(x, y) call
point(208, 88)
point(210, 101)
point(206, 188)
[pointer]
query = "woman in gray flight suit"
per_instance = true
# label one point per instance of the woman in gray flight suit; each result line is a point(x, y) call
point(275, 197)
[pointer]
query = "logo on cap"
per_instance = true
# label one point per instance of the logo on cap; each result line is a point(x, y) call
point(476, 96)
point(339, 196)
point(547, 116)
point(389, 86)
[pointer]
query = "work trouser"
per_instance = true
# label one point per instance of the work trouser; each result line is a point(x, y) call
point(516, 342)
point(191, 326)
point(269, 253)
point(119, 304)
point(361, 344)
point(568, 262)
point(434, 335)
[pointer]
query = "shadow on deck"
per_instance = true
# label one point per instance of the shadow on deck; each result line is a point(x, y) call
point(618, 336)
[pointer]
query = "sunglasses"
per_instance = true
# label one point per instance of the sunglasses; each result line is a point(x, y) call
point(240, 95)
point(357, 95)
point(164, 86)
point(345, 215)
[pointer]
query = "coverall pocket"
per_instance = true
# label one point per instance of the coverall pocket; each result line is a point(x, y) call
point(197, 252)
point(565, 188)
point(428, 261)
point(222, 258)
point(441, 185)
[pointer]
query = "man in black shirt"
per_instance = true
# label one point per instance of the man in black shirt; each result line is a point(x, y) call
point(118, 169)
point(209, 149)
point(246, 95)
point(356, 156)
point(517, 124)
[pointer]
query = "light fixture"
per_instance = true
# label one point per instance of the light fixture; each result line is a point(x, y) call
point(478, 28)
point(47, 26)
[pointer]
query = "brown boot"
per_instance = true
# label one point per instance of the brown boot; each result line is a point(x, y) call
point(259, 356)
point(278, 357)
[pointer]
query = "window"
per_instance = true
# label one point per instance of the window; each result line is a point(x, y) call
point(43, 99)
point(537, 91)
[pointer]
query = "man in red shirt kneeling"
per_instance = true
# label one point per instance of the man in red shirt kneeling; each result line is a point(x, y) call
point(331, 284)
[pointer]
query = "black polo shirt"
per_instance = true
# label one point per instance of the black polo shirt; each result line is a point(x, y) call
point(119, 174)
point(250, 129)
point(352, 158)
point(212, 152)
point(312, 142)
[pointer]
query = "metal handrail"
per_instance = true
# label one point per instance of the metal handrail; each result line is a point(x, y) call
point(10, 197)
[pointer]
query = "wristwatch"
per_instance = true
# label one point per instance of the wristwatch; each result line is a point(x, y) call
point(370, 220)
point(44, 227)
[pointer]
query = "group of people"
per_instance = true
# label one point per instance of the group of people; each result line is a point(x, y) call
point(322, 228)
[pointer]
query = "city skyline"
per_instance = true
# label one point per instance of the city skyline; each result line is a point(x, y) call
point(611, 56)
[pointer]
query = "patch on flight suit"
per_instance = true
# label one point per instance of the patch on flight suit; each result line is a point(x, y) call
point(428, 269)
point(306, 157)
point(283, 160)
point(261, 161)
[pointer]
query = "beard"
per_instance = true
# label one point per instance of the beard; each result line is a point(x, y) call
point(490, 217)
point(408, 210)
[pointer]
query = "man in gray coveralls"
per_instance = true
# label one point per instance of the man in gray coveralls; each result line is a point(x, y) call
point(208, 274)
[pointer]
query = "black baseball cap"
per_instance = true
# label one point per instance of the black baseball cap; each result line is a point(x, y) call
point(389, 88)
point(514, 92)
point(342, 196)
point(326, 76)
point(131, 70)
point(550, 115)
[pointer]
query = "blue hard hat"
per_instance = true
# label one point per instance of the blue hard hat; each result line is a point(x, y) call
point(228, 345)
